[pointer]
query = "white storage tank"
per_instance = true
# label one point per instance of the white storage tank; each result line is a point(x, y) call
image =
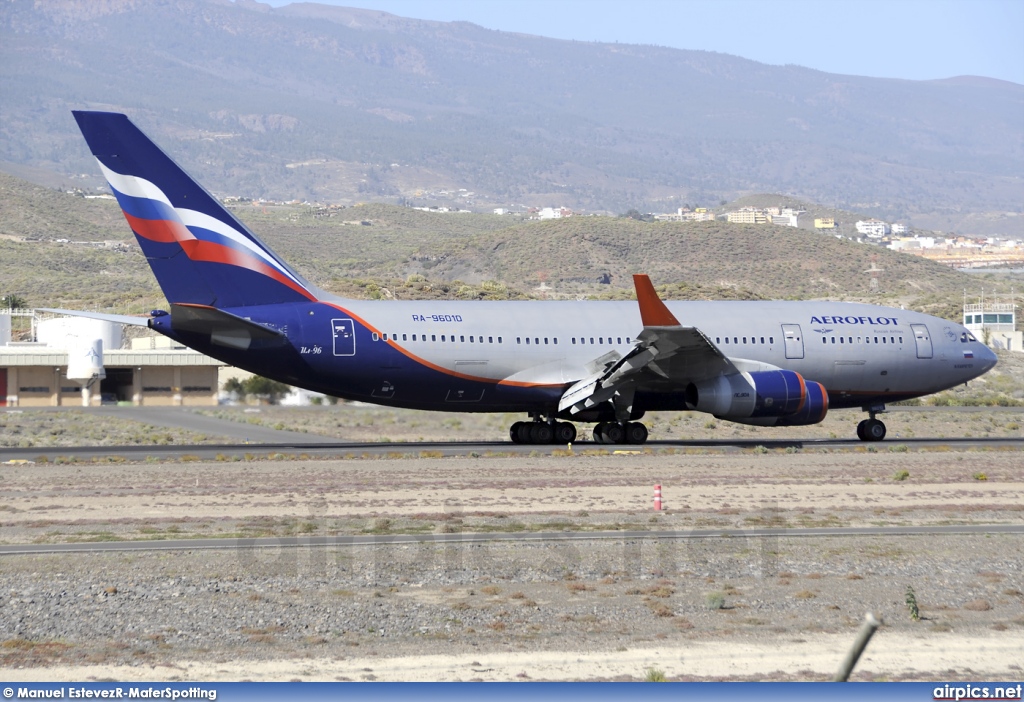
point(70, 333)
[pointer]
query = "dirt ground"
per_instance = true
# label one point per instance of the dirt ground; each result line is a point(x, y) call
point(785, 608)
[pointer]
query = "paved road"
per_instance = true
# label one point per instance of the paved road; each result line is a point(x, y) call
point(387, 539)
point(333, 448)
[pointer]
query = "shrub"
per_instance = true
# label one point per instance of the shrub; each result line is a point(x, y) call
point(714, 600)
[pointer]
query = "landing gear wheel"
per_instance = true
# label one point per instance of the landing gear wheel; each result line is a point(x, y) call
point(513, 432)
point(636, 433)
point(874, 430)
point(523, 433)
point(565, 433)
point(598, 432)
point(613, 433)
point(860, 430)
point(540, 433)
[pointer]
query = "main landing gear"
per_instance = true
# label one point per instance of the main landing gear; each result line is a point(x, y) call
point(554, 432)
point(620, 433)
point(871, 429)
point(541, 432)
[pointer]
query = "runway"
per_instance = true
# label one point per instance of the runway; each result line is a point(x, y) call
point(321, 449)
point(468, 538)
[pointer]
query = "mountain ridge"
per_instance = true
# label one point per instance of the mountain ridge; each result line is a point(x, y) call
point(395, 109)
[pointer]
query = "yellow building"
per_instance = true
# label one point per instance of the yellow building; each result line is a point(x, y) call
point(33, 376)
point(825, 223)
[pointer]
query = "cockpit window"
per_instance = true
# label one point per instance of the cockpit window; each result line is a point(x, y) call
point(970, 337)
point(963, 338)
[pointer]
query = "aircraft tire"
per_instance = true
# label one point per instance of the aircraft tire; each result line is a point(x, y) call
point(540, 433)
point(565, 433)
point(524, 432)
point(874, 430)
point(598, 433)
point(513, 432)
point(636, 433)
point(860, 430)
point(614, 433)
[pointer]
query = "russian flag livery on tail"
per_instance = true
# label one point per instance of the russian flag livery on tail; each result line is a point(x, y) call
point(559, 363)
point(182, 227)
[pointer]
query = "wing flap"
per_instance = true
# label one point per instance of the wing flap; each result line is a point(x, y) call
point(665, 348)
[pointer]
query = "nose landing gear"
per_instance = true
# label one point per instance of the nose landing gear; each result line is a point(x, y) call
point(871, 429)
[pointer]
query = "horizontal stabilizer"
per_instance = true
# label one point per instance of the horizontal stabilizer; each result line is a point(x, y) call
point(115, 318)
point(223, 328)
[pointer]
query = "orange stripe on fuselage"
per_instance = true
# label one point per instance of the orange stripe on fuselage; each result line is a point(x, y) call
point(434, 366)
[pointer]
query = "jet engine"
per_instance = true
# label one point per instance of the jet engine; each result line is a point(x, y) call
point(774, 393)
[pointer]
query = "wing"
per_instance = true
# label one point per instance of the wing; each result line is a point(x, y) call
point(663, 339)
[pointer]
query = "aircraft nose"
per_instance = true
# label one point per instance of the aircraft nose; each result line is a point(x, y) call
point(987, 357)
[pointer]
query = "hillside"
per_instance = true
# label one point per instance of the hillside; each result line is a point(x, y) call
point(49, 255)
point(345, 105)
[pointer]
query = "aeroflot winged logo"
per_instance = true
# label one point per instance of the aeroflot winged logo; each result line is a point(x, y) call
point(877, 321)
point(203, 238)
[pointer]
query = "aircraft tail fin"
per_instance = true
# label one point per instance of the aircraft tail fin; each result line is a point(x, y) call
point(199, 252)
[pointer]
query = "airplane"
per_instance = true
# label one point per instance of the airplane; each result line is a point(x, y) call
point(765, 363)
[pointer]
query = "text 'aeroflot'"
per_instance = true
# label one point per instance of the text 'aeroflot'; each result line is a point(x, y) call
point(762, 363)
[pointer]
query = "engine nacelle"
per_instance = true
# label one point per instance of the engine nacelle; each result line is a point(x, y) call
point(776, 393)
point(813, 411)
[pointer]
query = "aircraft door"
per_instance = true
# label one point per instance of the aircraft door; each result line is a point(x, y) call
point(923, 339)
point(344, 333)
point(794, 340)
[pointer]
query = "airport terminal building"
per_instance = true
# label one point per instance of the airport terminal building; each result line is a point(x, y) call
point(40, 365)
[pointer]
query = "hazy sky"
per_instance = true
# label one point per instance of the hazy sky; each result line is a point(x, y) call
point(914, 39)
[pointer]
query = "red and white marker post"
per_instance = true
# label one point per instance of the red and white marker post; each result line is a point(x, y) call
point(657, 498)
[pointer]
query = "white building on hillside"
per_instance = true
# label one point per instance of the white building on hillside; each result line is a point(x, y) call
point(873, 228)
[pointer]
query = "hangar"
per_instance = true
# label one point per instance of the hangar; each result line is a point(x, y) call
point(153, 371)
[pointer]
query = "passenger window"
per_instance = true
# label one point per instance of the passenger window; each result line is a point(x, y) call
point(545, 341)
point(744, 340)
point(462, 339)
point(901, 339)
point(536, 340)
point(600, 340)
point(619, 340)
point(499, 339)
point(735, 340)
point(442, 337)
point(555, 340)
point(591, 340)
point(375, 337)
point(833, 340)
point(519, 339)
point(824, 340)
point(876, 339)
point(490, 340)
point(883, 339)
point(771, 339)
point(414, 337)
point(471, 340)
point(574, 340)
point(404, 338)
point(718, 339)
point(762, 339)
point(527, 340)
point(433, 337)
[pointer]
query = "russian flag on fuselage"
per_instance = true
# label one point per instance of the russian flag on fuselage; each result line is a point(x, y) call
point(199, 252)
